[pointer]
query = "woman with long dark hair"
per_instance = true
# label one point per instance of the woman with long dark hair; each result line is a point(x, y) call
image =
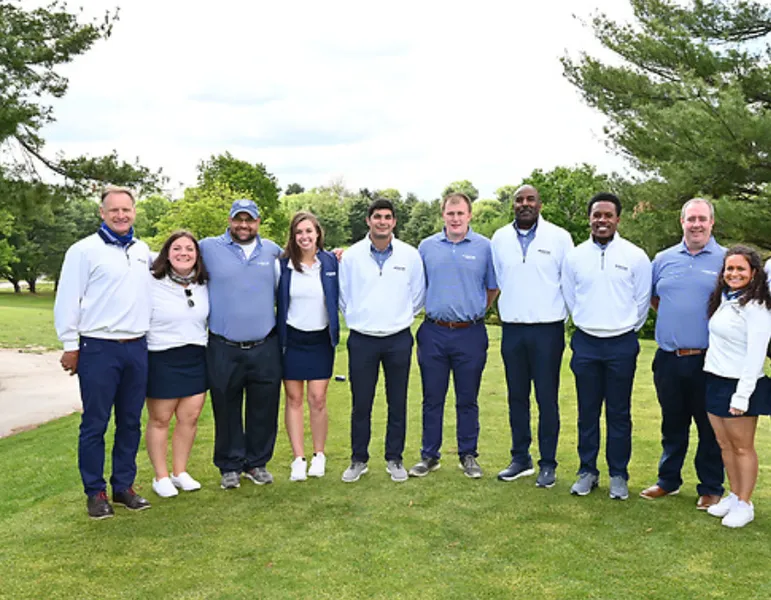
point(737, 391)
point(176, 382)
point(309, 330)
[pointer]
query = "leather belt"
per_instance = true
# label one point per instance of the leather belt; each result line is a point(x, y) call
point(243, 345)
point(689, 351)
point(454, 324)
point(127, 340)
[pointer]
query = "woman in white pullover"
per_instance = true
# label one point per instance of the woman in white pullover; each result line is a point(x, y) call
point(737, 391)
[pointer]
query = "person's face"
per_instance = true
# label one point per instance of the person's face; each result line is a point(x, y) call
point(527, 207)
point(697, 225)
point(456, 216)
point(737, 272)
point(603, 221)
point(118, 211)
point(182, 255)
point(243, 228)
point(305, 235)
point(381, 224)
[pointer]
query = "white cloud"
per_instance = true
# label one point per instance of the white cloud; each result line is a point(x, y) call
point(410, 95)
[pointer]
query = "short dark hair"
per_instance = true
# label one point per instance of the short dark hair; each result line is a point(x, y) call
point(292, 250)
point(757, 289)
point(604, 197)
point(161, 265)
point(381, 204)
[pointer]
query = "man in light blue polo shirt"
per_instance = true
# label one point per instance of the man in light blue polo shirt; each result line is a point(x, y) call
point(684, 276)
point(243, 352)
point(460, 286)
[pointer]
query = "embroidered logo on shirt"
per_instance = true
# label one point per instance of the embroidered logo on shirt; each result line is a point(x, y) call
point(142, 260)
point(331, 274)
point(707, 272)
point(469, 256)
point(622, 267)
point(399, 268)
point(263, 263)
point(544, 251)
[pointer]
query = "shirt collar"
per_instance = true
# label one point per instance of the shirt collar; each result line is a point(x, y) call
point(709, 248)
point(467, 238)
point(530, 231)
point(388, 248)
point(229, 240)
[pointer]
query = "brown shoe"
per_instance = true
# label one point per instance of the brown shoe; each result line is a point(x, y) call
point(656, 491)
point(706, 501)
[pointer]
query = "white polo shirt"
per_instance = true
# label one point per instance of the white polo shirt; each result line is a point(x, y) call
point(173, 322)
point(607, 290)
point(104, 292)
point(531, 288)
point(381, 302)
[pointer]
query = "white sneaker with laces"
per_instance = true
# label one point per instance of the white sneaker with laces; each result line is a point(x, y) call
point(164, 488)
point(740, 514)
point(298, 469)
point(722, 508)
point(318, 465)
point(184, 482)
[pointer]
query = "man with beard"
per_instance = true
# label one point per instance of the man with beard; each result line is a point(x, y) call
point(683, 279)
point(243, 353)
point(607, 285)
point(528, 256)
point(382, 288)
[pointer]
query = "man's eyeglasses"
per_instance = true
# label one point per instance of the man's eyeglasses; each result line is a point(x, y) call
point(189, 296)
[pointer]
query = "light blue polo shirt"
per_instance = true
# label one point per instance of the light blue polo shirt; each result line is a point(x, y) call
point(242, 296)
point(458, 275)
point(683, 283)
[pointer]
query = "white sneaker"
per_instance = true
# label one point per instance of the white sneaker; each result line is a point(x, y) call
point(740, 514)
point(184, 482)
point(164, 488)
point(318, 465)
point(722, 508)
point(298, 469)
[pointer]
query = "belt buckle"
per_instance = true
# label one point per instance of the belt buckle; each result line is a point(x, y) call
point(246, 345)
point(451, 325)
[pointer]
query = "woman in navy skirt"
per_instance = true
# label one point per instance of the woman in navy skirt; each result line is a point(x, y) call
point(737, 391)
point(308, 329)
point(176, 381)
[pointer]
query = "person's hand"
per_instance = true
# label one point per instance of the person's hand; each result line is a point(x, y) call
point(338, 252)
point(736, 412)
point(69, 361)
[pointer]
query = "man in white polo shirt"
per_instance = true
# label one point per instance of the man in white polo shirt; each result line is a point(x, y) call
point(606, 282)
point(528, 256)
point(382, 288)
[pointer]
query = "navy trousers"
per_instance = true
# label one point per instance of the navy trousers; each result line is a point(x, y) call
point(365, 355)
point(464, 352)
point(680, 385)
point(112, 376)
point(604, 370)
point(533, 353)
point(233, 371)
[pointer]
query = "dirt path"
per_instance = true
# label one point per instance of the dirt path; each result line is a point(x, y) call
point(33, 390)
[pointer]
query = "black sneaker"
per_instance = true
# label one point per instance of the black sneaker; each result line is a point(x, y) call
point(546, 478)
point(515, 470)
point(99, 506)
point(424, 467)
point(130, 499)
point(470, 466)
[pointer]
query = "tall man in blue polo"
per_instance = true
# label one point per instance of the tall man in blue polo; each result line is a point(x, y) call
point(460, 285)
point(528, 256)
point(243, 356)
point(683, 278)
point(606, 282)
point(382, 288)
point(102, 313)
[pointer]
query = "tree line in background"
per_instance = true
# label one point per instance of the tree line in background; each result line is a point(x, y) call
point(687, 101)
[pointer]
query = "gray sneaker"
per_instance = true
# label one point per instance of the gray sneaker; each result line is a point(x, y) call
point(230, 480)
point(397, 470)
point(470, 467)
point(546, 478)
point(259, 475)
point(619, 490)
point(585, 484)
point(356, 470)
point(424, 467)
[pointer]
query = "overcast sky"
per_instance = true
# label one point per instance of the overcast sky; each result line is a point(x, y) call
point(410, 95)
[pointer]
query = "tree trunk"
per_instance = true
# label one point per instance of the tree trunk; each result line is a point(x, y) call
point(31, 283)
point(16, 286)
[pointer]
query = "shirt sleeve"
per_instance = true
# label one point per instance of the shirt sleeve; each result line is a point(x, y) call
point(72, 286)
point(568, 284)
point(417, 284)
point(491, 281)
point(642, 289)
point(344, 281)
point(655, 274)
point(758, 323)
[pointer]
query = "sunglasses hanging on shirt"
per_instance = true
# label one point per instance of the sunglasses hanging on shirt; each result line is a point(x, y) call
point(189, 296)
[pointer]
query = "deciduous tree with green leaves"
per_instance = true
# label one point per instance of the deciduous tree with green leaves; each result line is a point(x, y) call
point(464, 187)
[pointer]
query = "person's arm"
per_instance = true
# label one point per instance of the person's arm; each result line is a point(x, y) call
point(491, 280)
point(491, 296)
point(568, 284)
point(344, 281)
point(758, 322)
point(642, 288)
point(72, 286)
point(417, 285)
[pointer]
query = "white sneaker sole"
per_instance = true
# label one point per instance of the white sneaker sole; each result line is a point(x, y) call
point(525, 473)
point(354, 480)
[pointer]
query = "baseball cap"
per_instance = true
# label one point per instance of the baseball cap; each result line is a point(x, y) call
point(245, 206)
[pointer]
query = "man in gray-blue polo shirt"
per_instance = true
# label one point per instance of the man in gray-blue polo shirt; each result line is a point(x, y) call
point(243, 352)
point(683, 278)
point(460, 286)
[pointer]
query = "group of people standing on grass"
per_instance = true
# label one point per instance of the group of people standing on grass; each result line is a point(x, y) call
point(237, 314)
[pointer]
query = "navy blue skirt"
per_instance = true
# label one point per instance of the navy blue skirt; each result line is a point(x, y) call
point(308, 355)
point(720, 390)
point(176, 372)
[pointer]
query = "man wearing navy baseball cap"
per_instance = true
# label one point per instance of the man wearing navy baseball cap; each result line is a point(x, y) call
point(243, 353)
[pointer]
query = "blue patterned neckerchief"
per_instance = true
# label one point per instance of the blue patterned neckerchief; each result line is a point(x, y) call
point(110, 237)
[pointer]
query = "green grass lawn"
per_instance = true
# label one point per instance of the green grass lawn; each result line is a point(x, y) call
point(26, 320)
point(444, 536)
